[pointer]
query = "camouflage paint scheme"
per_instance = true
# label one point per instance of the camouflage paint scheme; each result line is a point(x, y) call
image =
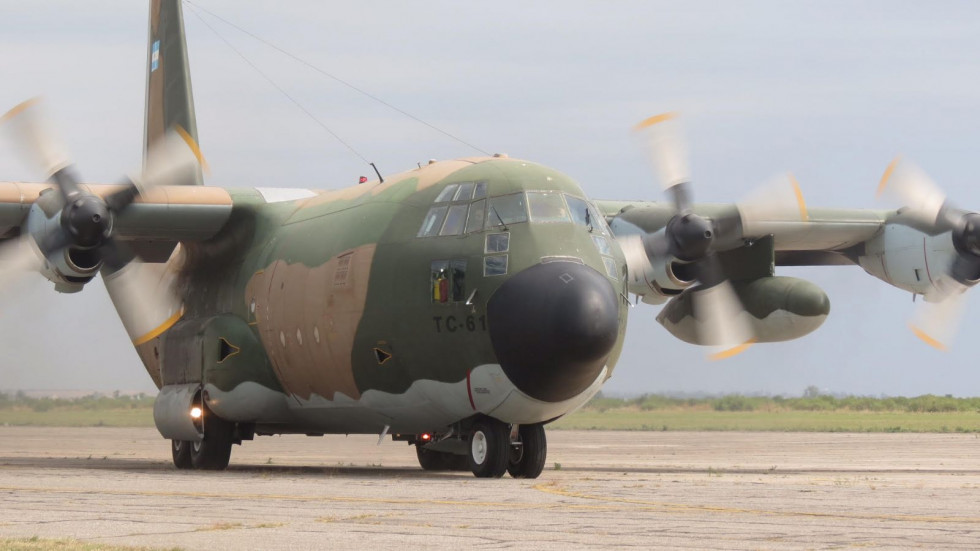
point(317, 311)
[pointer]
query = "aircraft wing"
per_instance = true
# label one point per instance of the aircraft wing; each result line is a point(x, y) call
point(150, 226)
point(828, 236)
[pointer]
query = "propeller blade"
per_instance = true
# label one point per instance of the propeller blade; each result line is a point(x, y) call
point(30, 130)
point(779, 200)
point(144, 296)
point(173, 160)
point(722, 321)
point(663, 142)
point(936, 321)
point(923, 198)
point(19, 257)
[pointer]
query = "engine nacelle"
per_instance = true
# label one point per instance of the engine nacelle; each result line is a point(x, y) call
point(907, 258)
point(779, 309)
point(665, 277)
point(70, 268)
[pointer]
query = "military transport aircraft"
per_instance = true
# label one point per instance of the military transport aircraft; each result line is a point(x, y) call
point(459, 306)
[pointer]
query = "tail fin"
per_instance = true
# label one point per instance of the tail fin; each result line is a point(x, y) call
point(169, 100)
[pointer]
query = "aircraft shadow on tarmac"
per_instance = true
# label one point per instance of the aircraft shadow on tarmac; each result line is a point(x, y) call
point(111, 463)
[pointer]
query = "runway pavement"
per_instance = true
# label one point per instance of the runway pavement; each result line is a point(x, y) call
point(667, 490)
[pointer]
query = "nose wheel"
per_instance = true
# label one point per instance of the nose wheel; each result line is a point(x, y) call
point(493, 451)
point(529, 452)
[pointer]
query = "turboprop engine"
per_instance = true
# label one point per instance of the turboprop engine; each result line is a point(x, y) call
point(67, 235)
point(777, 308)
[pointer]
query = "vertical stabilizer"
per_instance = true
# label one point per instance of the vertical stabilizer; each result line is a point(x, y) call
point(169, 100)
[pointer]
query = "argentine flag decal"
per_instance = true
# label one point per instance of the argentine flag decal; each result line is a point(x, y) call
point(155, 56)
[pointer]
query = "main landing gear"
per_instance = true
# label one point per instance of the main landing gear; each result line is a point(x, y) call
point(492, 448)
point(212, 452)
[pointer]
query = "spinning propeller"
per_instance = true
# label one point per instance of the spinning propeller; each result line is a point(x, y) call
point(83, 221)
point(937, 320)
point(694, 239)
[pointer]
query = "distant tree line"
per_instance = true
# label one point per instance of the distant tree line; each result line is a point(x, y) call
point(810, 401)
point(96, 402)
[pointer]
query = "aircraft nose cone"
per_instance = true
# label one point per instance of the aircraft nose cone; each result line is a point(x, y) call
point(552, 327)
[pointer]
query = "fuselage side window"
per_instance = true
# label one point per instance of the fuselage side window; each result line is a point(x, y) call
point(497, 243)
point(458, 268)
point(448, 281)
point(495, 265)
point(440, 281)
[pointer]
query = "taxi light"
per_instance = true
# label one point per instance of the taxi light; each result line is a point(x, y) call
point(425, 437)
point(196, 412)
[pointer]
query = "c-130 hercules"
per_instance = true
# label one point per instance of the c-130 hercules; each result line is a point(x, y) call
point(459, 306)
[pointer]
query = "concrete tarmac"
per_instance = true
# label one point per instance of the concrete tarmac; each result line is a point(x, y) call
point(669, 490)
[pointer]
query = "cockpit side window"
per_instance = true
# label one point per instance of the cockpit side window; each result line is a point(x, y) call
point(579, 210)
point(447, 193)
point(465, 192)
point(432, 221)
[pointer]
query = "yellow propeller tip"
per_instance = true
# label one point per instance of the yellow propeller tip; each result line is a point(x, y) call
point(20, 108)
point(734, 351)
point(193, 147)
point(887, 175)
point(928, 339)
point(800, 202)
point(656, 119)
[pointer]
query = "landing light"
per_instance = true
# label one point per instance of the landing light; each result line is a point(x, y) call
point(425, 437)
point(196, 412)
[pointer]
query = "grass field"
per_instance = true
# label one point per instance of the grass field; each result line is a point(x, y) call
point(817, 413)
point(690, 419)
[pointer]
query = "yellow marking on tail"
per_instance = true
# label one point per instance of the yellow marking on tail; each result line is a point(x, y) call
point(194, 148)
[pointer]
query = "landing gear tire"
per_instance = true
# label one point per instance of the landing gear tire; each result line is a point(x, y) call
point(489, 448)
point(431, 460)
point(528, 455)
point(214, 450)
point(181, 452)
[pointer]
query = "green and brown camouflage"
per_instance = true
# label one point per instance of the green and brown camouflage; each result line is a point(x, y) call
point(459, 306)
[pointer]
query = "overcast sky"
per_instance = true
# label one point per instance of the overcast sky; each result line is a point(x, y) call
point(829, 90)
